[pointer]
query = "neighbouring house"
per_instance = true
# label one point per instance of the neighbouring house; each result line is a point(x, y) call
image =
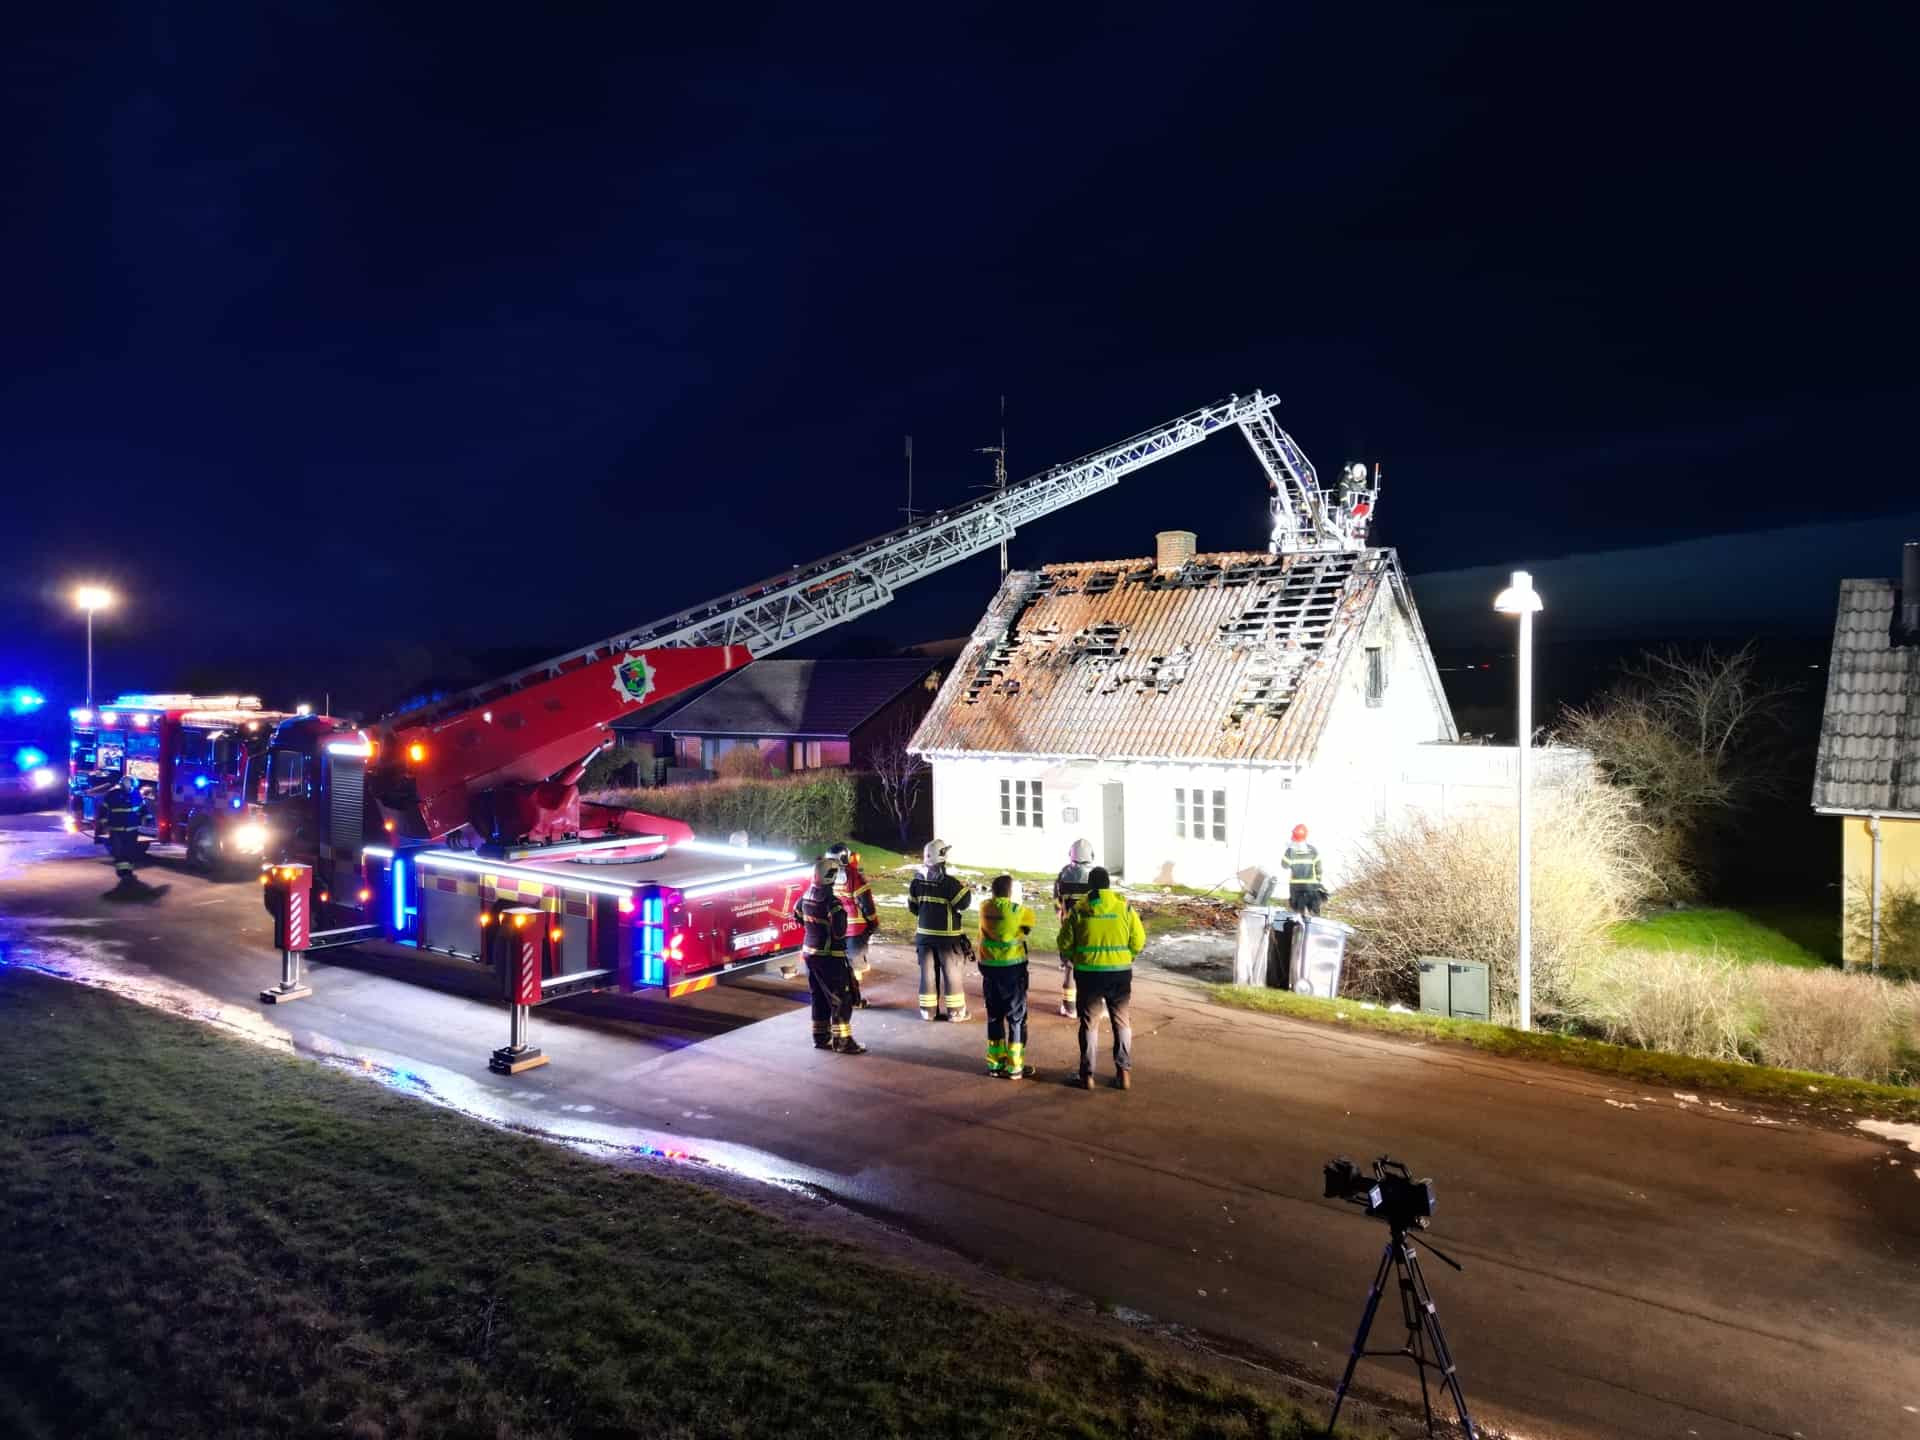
point(1185, 712)
point(1867, 770)
point(797, 714)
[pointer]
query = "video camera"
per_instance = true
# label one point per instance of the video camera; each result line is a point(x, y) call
point(1390, 1193)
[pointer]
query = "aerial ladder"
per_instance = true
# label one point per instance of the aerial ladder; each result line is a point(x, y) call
point(500, 763)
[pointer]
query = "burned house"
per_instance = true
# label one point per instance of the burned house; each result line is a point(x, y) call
point(1184, 712)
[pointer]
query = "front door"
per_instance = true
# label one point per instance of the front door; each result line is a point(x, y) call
point(1113, 828)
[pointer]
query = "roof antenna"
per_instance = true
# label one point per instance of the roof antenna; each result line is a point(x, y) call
point(909, 479)
point(999, 486)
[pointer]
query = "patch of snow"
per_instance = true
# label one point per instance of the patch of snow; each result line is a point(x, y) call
point(1908, 1135)
point(1623, 1105)
point(1686, 1099)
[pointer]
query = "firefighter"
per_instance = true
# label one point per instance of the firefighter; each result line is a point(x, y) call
point(1305, 893)
point(1104, 935)
point(124, 804)
point(939, 936)
point(1004, 926)
point(824, 920)
point(863, 919)
point(1069, 885)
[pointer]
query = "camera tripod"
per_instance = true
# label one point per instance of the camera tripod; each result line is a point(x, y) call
point(1424, 1345)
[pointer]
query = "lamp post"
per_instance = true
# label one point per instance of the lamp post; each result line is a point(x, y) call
point(91, 598)
point(1521, 599)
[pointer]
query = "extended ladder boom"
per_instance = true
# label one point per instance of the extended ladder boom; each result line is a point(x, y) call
point(788, 608)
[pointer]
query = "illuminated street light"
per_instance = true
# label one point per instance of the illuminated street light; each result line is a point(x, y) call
point(1521, 599)
point(91, 598)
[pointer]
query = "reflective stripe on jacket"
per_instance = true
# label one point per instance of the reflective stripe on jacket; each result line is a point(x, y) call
point(1102, 933)
point(937, 899)
point(1069, 885)
point(824, 919)
point(1303, 865)
point(857, 896)
point(123, 812)
point(1003, 932)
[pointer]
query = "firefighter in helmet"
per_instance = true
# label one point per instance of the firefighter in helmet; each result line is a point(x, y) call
point(824, 920)
point(124, 806)
point(863, 919)
point(1069, 885)
point(1305, 891)
point(939, 935)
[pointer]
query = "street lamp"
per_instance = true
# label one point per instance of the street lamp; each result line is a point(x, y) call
point(91, 598)
point(1521, 599)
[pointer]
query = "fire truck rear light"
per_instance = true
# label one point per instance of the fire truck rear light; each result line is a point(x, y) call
point(626, 905)
point(324, 897)
point(486, 919)
point(557, 932)
point(141, 720)
point(519, 922)
point(673, 945)
point(416, 752)
point(365, 895)
point(389, 826)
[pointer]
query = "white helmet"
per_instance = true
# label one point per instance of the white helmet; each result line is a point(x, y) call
point(1081, 852)
point(826, 870)
point(935, 852)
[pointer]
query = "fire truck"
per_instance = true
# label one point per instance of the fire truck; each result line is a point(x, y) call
point(457, 825)
point(200, 761)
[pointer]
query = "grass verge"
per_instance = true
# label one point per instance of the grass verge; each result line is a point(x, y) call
point(204, 1238)
point(1645, 1067)
point(1730, 934)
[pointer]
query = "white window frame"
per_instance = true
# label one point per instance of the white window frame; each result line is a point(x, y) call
point(1200, 813)
point(1022, 804)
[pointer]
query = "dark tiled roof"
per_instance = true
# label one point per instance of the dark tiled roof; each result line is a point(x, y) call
point(797, 697)
point(1233, 657)
point(1869, 755)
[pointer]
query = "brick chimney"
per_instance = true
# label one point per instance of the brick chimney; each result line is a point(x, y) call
point(1172, 549)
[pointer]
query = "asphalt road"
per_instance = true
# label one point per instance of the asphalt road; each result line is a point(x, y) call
point(1637, 1263)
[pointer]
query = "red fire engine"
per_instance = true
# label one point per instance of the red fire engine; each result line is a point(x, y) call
point(193, 756)
point(457, 825)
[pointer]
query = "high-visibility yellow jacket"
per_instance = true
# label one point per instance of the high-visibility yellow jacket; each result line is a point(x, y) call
point(1004, 926)
point(1102, 932)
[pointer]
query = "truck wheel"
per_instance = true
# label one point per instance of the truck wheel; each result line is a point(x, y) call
point(203, 850)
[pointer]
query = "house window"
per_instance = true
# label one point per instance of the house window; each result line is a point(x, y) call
point(805, 755)
point(1020, 804)
point(1376, 675)
point(1199, 814)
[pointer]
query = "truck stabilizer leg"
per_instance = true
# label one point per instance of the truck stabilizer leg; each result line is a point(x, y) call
point(518, 1053)
point(292, 985)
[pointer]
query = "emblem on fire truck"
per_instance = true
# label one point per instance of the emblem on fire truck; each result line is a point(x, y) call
point(633, 677)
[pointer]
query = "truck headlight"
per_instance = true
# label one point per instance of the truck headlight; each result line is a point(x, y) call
point(41, 778)
point(250, 839)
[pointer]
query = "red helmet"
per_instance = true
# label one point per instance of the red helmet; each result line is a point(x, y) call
point(1299, 833)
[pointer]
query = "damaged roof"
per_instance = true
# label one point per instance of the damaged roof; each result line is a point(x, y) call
point(1233, 656)
point(1869, 756)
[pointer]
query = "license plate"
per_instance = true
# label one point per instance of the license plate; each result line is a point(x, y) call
point(747, 939)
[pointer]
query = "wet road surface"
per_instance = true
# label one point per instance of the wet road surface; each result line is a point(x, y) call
point(1637, 1263)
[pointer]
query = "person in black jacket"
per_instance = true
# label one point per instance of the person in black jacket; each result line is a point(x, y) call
point(939, 934)
point(823, 917)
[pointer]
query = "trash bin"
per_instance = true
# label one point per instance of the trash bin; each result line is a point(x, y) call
point(1250, 951)
point(1317, 952)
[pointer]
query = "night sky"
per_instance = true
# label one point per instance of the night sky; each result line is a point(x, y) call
point(360, 344)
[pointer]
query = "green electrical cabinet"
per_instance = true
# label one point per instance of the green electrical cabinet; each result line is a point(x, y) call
point(1458, 989)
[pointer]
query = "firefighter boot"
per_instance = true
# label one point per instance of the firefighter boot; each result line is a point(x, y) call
point(997, 1059)
point(822, 1038)
point(1017, 1067)
point(1123, 1079)
point(844, 1043)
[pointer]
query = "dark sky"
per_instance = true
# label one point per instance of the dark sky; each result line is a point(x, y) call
point(355, 341)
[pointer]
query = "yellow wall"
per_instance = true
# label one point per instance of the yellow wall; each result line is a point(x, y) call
point(1899, 866)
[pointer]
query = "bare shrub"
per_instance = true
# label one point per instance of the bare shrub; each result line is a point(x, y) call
point(1899, 928)
point(1665, 1000)
point(900, 776)
point(1837, 1023)
point(1427, 887)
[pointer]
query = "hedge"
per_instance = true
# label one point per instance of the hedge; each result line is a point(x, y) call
point(805, 811)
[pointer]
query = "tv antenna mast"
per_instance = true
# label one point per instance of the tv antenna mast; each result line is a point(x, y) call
point(999, 486)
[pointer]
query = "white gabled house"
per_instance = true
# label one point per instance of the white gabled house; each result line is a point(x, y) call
point(1185, 712)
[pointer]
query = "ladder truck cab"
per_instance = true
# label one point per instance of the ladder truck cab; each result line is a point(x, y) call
point(457, 825)
point(199, 759)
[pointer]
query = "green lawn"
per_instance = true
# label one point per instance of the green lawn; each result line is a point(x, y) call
point(204, 1238)
point(1647, 1067)
point(1738, 936)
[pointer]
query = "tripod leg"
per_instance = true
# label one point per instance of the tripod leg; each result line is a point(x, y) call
point(1416, 1349)
point(1429, 1323)
point(1360, 1335)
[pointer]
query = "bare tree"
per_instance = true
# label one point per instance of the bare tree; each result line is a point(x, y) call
point(1687, 733)
point(901, 777)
